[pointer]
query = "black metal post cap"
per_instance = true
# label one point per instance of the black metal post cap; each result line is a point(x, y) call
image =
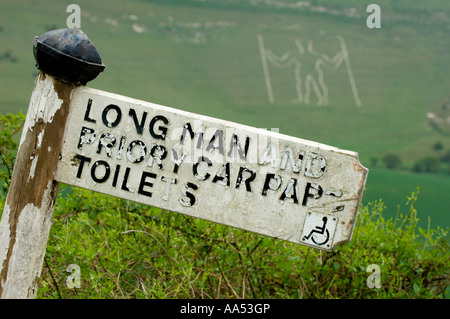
point(68, 55)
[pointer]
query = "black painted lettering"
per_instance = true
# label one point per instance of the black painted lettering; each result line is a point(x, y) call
point(82, 160)
point(143, 183)
point(163, 129)
point(136, 156)
point(291, 191)
point(157, 154)
point(312, 190)
point(106, 173)
point(106, 118)
point(169, 182)
point(218, 135)
point(87, 136)
point(177, 159)
point(246, 179)
point(116, 175)
point(195, 168)
point(235, 143)
point(223, 174)
point(188, 129)
point(125, 180)
point(268, 184)
point(106, 140)
point(121, 146)
point(88, 110)
point(190, 196)
point(139, 126)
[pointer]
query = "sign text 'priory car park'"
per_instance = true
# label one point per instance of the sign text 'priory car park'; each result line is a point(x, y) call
point(253, 179)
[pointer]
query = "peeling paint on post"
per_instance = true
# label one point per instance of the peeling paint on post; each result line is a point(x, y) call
point(29, 205)
point(28, 211)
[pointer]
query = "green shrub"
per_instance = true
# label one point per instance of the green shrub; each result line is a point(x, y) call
point(10, 125)
point(445, 158)
point(431, 163)
point(428, 164)
point(391, 160)
point(418, 167)
point(128, 250)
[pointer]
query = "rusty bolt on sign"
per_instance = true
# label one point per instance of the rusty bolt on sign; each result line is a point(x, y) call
point(66, 58)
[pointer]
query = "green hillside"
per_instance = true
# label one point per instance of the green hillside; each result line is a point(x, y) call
point(269, 64)
point(392, 189)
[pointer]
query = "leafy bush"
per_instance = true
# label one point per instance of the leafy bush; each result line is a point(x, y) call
point(446, 157)
point(438, 146)
point(10, 125)
point(124, 249)
point(391, 160)
point(428, 164)
point(128, 250)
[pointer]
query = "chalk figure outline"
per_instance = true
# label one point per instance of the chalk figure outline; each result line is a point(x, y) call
point(305, 83)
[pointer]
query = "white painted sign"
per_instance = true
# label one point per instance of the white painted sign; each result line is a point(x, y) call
point(253, 179)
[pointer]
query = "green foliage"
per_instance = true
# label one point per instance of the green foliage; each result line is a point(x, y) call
point(428, 164)
point(446, 157)
point(391, 160)
point(438, 146)
point(129, 250)
point(10, 125)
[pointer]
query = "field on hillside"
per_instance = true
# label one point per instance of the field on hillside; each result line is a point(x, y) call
point(310, 69)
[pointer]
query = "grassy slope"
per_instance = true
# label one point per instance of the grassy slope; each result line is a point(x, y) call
point(399, 70)
point(393, 187)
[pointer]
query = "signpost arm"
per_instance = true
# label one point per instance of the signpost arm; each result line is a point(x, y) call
point(28, 211)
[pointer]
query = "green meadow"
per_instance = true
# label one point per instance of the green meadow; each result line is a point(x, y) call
point(392, 188)
point(308, 69)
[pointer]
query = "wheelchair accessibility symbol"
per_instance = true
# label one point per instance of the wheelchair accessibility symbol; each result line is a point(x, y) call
point(318, 230)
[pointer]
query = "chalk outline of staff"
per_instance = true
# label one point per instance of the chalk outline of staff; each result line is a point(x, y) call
point(286, 60)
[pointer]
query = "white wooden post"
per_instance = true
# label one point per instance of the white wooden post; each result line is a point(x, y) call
point(28, 211)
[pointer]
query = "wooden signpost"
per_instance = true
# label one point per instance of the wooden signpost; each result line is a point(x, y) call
point(256, 180)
